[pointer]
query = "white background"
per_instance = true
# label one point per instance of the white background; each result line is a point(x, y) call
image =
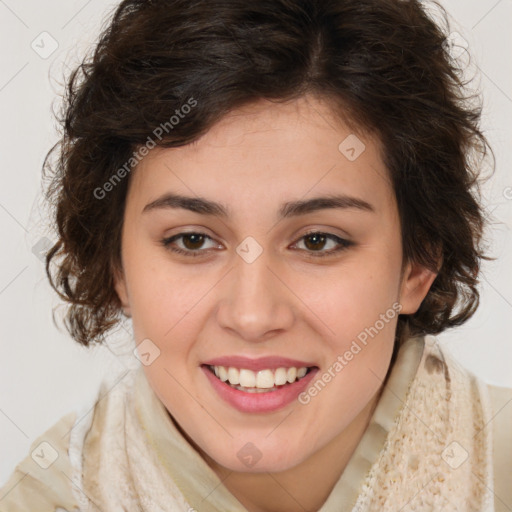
point(44, 374)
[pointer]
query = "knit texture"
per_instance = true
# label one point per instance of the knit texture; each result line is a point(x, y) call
point(438, 454)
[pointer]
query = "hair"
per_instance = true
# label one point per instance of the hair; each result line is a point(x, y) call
point(383, 65)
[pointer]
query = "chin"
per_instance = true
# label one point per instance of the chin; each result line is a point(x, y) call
point(250, 459)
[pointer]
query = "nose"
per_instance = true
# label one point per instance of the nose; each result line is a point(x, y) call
point(257, 303)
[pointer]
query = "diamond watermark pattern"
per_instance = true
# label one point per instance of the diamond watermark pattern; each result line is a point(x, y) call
point(454, 455)
point(146, 352)
point(44, 454)
point(249, 249)
point(41, 248)
point(44, 45)
point(351, 147)
point(249, 455)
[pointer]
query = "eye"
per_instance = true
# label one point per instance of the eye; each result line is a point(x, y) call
point(192, 242)
point(315, 240)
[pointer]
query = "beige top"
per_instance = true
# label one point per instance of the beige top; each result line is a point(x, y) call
point(43, 480)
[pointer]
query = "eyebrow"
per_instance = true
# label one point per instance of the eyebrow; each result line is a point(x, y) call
point(287, 210)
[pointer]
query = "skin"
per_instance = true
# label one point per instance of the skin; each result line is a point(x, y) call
point(284, 303)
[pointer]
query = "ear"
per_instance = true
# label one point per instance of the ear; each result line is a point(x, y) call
point(122, 291)
point(416, 282)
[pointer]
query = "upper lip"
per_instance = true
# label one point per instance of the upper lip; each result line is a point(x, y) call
point(261, 363)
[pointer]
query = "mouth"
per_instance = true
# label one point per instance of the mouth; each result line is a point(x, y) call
point(266, 380)
point(258, 385)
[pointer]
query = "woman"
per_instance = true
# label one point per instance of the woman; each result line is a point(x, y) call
point(282, 198)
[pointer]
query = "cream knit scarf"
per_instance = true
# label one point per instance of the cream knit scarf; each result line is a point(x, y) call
point(436, 454)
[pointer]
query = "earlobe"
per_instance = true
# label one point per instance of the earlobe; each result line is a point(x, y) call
point(122, 292)
point(416, 283)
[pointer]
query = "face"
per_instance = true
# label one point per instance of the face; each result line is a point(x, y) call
point(266, 281)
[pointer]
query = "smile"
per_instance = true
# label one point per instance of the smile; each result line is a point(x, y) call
point(262, 385)
point(262, 381)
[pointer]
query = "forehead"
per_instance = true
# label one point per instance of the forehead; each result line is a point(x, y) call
point(266, 153)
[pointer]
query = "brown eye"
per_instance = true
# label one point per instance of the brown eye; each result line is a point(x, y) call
point(191, 243)
point(315, 241)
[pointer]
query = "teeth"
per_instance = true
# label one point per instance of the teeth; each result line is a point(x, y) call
point(253, 382)
point(264, 379)
point(247, 379)
point(301, 372)
point(233, 376)
point(222, 373)
point(291, 374)
point(280, 376)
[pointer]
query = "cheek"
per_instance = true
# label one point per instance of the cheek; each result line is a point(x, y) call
point(361, 313)
point(162, 305)
point(161, 293)
point(354, 297)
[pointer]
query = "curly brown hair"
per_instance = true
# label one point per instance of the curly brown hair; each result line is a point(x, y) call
point(383, 65)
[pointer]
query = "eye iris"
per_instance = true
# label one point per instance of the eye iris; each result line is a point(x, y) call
point(318, 241)
point(196, 239)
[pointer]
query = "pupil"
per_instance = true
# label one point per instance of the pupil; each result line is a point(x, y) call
point(320, 240)
point(197, 241)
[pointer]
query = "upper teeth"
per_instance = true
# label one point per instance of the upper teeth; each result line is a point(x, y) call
point(264, 379)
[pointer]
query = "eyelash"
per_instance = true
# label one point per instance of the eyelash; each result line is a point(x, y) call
point(166, 242)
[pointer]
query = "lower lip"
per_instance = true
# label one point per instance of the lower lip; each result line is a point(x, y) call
point(259, 402)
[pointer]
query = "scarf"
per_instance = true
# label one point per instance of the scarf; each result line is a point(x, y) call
point(428, 447)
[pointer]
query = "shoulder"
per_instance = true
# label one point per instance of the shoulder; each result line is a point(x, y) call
point(42, 481)
point(496, 401)
point(501, 404)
